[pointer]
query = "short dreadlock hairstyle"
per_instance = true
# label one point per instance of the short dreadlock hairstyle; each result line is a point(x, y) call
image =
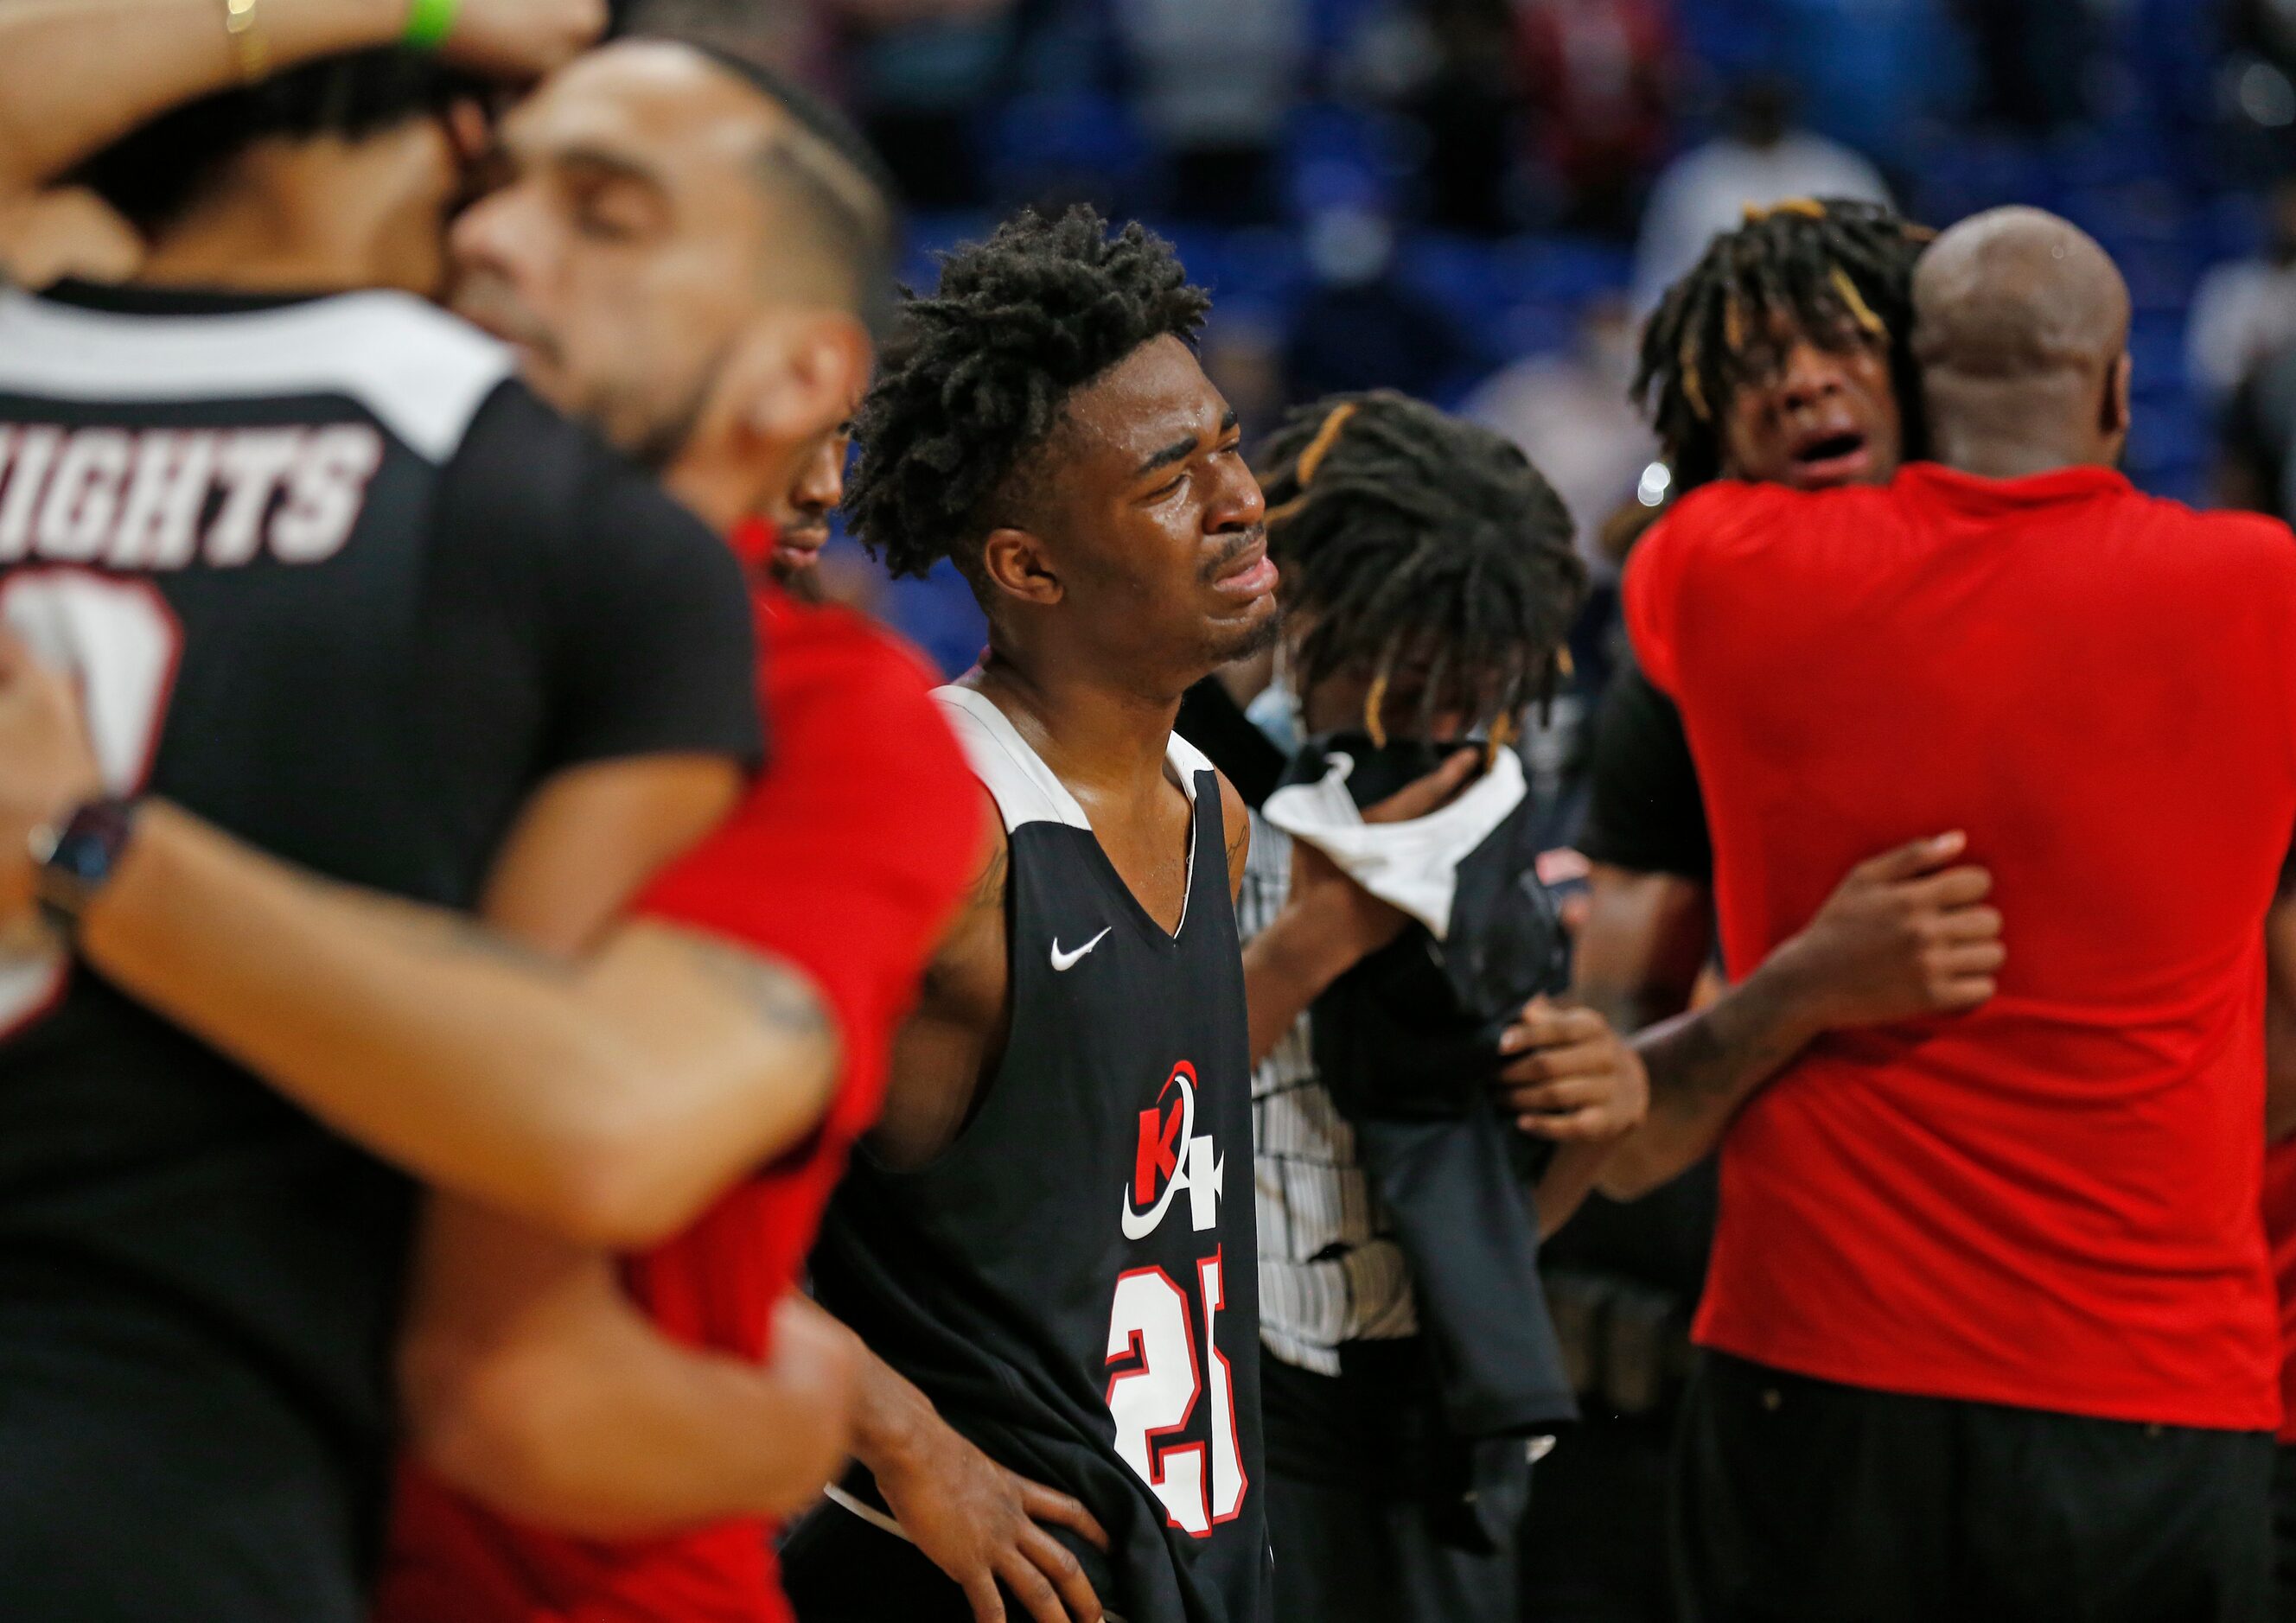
point(1841, 272)
point(976, 375)
point(1407, 534)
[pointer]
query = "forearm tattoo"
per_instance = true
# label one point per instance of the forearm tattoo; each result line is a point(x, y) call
point(1709, 1056)
point(782, 1000)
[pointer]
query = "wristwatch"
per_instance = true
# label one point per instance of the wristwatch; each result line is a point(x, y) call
point(73, 859)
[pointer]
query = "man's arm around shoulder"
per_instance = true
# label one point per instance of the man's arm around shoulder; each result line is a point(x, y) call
point(530, 1378)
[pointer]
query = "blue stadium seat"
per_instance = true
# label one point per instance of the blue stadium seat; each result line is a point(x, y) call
point(2156, 344)
point(1561, 269)
point(1520, 330)
point(1067, 141)
point(1457, 272)
point(932, 234)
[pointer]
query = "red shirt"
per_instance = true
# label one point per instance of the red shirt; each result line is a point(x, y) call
point(847, 859)
point(2052, 1202)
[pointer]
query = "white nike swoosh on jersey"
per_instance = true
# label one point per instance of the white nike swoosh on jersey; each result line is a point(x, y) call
point(1064, 962)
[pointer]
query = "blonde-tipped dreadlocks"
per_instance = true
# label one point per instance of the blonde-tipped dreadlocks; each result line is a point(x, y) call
point(1404, 536)
point(1839, 271)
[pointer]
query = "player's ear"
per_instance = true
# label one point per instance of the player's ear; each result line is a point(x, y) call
point(2117, 414)
point(1015, 562)
point(810, 374)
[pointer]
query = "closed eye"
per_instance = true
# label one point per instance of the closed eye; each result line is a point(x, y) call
point(1182, 456)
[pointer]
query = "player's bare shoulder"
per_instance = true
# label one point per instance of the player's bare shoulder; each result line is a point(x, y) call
point(944, 1051)
point(967, 971)
point(1235, 830)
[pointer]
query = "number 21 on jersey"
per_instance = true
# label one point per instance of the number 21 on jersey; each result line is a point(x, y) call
point(1156, 1396)
point(119, 642)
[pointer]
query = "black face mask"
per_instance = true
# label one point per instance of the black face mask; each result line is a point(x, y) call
point(1379, 769)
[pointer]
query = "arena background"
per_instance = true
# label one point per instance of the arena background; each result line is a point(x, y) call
point(1475, 202)
point(1450, 196)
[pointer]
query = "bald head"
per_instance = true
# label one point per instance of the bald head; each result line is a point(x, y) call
point(2017, 292)
point(2021, 328)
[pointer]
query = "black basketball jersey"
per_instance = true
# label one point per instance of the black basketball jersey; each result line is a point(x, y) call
point(1075, 1282)
point(330, 578)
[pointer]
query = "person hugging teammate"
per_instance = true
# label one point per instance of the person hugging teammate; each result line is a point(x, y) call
point(1779, 359)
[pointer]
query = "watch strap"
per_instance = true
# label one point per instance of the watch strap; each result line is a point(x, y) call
point(73, 859)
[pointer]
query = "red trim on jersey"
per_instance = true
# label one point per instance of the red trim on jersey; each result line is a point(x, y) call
point(1208, 1269)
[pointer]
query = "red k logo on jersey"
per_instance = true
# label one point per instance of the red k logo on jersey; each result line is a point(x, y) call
point(1170, 1158)
point(1160, 1371)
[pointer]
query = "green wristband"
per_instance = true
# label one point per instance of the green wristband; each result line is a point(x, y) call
point(427, 23)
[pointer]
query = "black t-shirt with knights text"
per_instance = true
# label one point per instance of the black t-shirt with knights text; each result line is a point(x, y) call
point(330, 577)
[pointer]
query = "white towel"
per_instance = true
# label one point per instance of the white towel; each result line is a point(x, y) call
point(1410, 865)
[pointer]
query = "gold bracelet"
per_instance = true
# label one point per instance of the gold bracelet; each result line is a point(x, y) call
point(247, 41)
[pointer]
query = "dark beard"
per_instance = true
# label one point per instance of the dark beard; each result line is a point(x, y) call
point(1241, 644)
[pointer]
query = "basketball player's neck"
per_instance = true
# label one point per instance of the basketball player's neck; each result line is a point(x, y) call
point(1096, 733)
point(213, 262)
point(2010, 435)
point(290, 233)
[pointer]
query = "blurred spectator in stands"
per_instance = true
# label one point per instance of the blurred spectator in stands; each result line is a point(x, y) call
point(1598, 76)
point(1244, 357)
point(1761, 158)
point(2263, 28)
point(2032, 57)
point(2250, 53)
point(2257, 431)
point(1215, 80)
point(917, 70)
point(2245, 310)
point(1450, 67)
point(1571, 414)
point(1359, 327)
